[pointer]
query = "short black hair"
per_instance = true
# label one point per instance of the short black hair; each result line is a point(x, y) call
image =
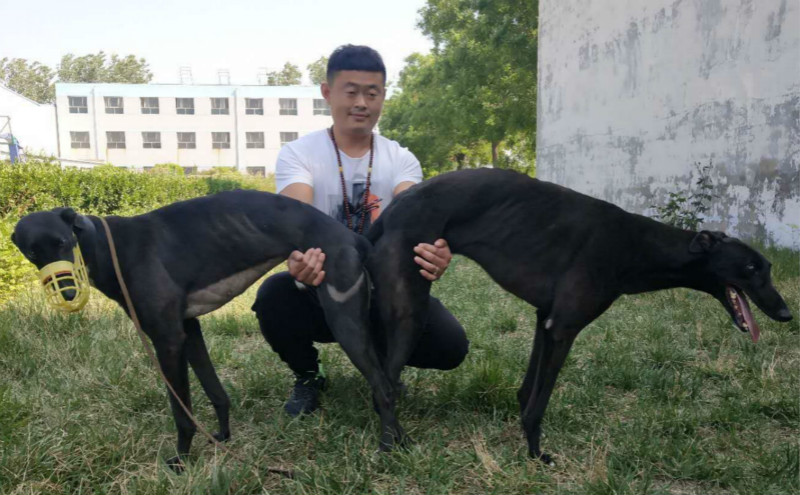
point(355, 57)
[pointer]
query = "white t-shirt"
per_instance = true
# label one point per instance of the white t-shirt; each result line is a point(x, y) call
point(312, 160)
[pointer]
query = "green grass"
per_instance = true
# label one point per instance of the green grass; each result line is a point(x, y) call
point(660, 395)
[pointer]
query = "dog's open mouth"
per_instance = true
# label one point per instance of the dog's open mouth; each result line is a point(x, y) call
point(742, 315)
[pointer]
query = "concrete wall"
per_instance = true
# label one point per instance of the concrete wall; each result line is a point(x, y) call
point(33, 124)
point(632, 94)
point(168, 122)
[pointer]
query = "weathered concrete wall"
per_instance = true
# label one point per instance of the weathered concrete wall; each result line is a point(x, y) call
point(632, 94)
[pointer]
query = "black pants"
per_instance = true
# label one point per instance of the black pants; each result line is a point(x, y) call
point(292, 320)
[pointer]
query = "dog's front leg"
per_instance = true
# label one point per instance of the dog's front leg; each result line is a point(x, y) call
point(578, 301)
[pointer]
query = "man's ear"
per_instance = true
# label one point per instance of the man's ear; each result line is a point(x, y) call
point(325, 89)
point(705, 241)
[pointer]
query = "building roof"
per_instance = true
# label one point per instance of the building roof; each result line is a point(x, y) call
point(186, 90)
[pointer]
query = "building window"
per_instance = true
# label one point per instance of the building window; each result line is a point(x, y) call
point(79, 139)
point(115, 140)
point(255, 139)
point(150, 105)
point(219, 106)
point(77, 104)
point(254, 106)
point(186, 141)
point(189, 170)
point(151, 140)
point(288, 106)
point(184, 106)
point(321, 107)
point(259, 171)
point(287, 137)
point(114, 104)
point(220, 140)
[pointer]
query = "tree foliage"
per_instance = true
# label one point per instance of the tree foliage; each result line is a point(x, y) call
point(30, 79)
point(477, 88)
point(36, 81)
point(317, 70)
point(96, 68)
point(289, 75)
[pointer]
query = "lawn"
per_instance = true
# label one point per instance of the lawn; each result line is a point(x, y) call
point(660, 395)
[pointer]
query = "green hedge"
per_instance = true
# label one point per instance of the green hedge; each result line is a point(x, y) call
point(41, 184)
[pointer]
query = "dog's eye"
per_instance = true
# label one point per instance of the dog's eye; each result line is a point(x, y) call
point(750, 267)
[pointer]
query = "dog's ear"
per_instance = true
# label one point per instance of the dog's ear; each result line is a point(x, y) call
point(705, 241)
point(67, 214)
point(13, 239)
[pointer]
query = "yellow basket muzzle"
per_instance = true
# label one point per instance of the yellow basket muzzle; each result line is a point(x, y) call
point(62, 279)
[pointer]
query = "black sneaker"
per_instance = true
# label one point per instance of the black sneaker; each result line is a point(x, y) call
point(305, 396)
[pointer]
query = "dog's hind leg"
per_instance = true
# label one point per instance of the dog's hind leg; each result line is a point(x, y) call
point(171, 353)
point(197, 354)
point(347, 313)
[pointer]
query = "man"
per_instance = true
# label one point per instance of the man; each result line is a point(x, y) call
point(351, 174)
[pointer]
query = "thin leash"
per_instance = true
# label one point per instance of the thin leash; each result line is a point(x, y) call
point(288, 473)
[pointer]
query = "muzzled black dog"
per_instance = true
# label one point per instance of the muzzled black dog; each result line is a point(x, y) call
point(567, 254)
point(190, 258)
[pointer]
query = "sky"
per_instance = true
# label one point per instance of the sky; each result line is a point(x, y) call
point(242, 37)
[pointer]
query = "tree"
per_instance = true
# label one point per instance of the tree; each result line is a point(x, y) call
point(32, 80)
point(94, 68)
point(288, 76)
point(478, 86)
point(318, 70)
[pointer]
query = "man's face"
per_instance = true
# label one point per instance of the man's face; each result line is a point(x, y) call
point(356, 100)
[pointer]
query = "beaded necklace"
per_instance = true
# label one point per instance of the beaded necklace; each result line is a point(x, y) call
point(364, 207)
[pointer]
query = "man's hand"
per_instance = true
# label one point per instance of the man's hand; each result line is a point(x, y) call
point(307, 267)
point(433, 258)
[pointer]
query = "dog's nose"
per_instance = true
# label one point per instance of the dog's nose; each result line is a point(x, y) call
point(784, 314)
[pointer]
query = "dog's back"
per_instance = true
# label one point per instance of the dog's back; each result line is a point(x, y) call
point(538, 220)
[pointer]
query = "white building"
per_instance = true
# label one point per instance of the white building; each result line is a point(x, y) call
point(33, 124)
point(196, 126)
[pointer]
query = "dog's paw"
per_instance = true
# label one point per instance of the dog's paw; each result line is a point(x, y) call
point(221, 437)
point(544, 458)
point(176, 465)
point(405, 441)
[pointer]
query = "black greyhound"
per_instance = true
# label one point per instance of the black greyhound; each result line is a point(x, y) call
point(190, 258)
point(567, 254)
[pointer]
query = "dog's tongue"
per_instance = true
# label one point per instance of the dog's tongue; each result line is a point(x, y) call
point(755, 332)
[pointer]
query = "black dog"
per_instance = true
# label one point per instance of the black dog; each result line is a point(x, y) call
point(190, 258)
point(567, 254)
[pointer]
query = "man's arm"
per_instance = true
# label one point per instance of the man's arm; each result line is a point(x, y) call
point(299, 191)
point(304, 267)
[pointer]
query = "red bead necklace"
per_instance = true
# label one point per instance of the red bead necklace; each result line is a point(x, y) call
point(364, 207)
